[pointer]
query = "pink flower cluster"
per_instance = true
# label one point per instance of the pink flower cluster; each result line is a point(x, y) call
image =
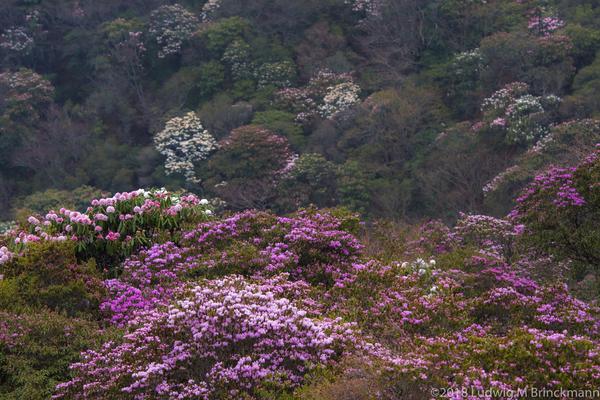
point(308, 247)
point(545, 25)
point(5, 255)
point(556, 183)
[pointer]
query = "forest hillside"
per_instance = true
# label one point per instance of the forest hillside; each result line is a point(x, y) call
point(299, 200)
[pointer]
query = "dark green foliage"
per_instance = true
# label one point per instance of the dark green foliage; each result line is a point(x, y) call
point(37, 357)
point(102, 92)
point(49, 276)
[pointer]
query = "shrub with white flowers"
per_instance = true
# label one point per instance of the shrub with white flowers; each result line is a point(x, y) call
point(339, 98)
point(171, 26)
point(26, 94)
point(209, 8)
point(369, 7)
point(524, 117)
point(279, 74)
point(327, 95)
point(467, 63)
point(16, 39)
point(184, 142)
point(237, 58)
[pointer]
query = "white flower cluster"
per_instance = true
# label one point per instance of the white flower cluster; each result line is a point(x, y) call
point(7, 226)
point(170, 26)
point(16, 39)
point(278, 74)
point(420, 265)
point(237, 57)
point(467, 62)
point(209, 8)
point(499, 179)
point(339, 98)
point(523, 116)
point(369, 7)
point(327, 95)
point(184, 142)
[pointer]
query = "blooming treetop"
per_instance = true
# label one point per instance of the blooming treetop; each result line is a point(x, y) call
point(184, 142)
point(170, 26)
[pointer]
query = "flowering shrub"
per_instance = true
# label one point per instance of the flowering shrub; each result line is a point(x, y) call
point(522, 116)
point(493, 235)
point(26, 93)
point(114, 227)
point(560, 209)
point(544, 22)
point(368, 7)
point(237, 56)
point(310, 247)
point(327, 95)
point(170, 27)
point(184, 142)
point(278, 74)
point(16, 39)
point(209, 8)
point(219, 339)
point(479, 325)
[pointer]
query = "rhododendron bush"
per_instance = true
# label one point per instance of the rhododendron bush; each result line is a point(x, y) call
point(115, 226)
point(184, 142)
point(170, 27)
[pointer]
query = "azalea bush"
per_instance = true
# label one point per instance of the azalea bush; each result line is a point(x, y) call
point(219, 339)
point(560, 209)
point(311, 247)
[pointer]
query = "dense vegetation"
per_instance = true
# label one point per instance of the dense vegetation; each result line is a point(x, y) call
point(403, 199)
point(150, 295)
point(398, 109)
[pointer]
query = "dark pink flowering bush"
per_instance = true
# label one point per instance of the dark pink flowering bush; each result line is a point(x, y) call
point(310, 247)
point(561, 211)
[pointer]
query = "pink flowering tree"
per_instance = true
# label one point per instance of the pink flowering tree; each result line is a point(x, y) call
point(544, 22)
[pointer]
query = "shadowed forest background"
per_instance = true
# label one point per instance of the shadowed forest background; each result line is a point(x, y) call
point(398, 109)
